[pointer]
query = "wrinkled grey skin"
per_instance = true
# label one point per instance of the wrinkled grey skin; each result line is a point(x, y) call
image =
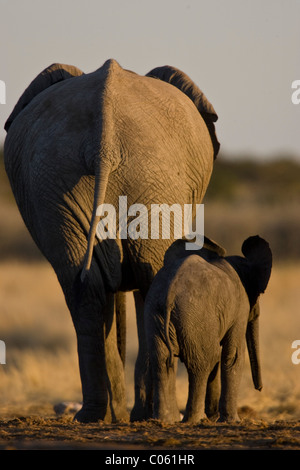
point(75, 141)
point(201, 307)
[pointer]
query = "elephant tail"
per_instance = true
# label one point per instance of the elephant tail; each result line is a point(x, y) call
point(49, 76)
point(108, 158)
point(101, 182)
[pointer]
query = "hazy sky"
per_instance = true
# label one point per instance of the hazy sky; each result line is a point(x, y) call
point(244, 55)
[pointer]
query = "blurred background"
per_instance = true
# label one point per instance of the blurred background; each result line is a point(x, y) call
point(244, 56)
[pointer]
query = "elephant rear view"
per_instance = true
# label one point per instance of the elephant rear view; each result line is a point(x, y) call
point(203, 307)
point(77, 140)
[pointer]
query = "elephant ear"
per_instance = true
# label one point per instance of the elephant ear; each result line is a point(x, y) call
point(214, 246)
point(178, 250)
point(53, 74)
point(181, 81)
point(259, 255)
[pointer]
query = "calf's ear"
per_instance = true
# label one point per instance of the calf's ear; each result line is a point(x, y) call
point(178, 250)
point(214, 246)
point(259, 255)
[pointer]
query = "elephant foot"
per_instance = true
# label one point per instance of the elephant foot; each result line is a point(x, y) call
point(89, 414)
point(212, 411)
point(141, 413)
point(213, 416)
point(167, 416)
point(194, 418)
point(94, 413)
point(229, 419)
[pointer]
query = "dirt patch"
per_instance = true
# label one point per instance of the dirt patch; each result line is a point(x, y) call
point(63, 433)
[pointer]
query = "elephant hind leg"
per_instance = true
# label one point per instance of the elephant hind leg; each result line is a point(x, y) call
point(142, 408)
point(196, 398)
point(165, 406)
point(101, 367)
point(232, 362)
point(100, 364)
point(213, 393)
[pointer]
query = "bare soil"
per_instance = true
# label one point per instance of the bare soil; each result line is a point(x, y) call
point(63, 433)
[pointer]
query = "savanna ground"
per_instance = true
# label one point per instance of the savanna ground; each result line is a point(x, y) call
point(41, 369)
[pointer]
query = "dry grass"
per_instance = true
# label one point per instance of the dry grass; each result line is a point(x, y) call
point(279, 327)
point(41, 364)
point(42, 368)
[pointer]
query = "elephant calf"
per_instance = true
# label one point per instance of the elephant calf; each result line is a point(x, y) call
point(200, 307)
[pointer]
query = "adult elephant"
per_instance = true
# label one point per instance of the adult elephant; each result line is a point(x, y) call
point(75, 141)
